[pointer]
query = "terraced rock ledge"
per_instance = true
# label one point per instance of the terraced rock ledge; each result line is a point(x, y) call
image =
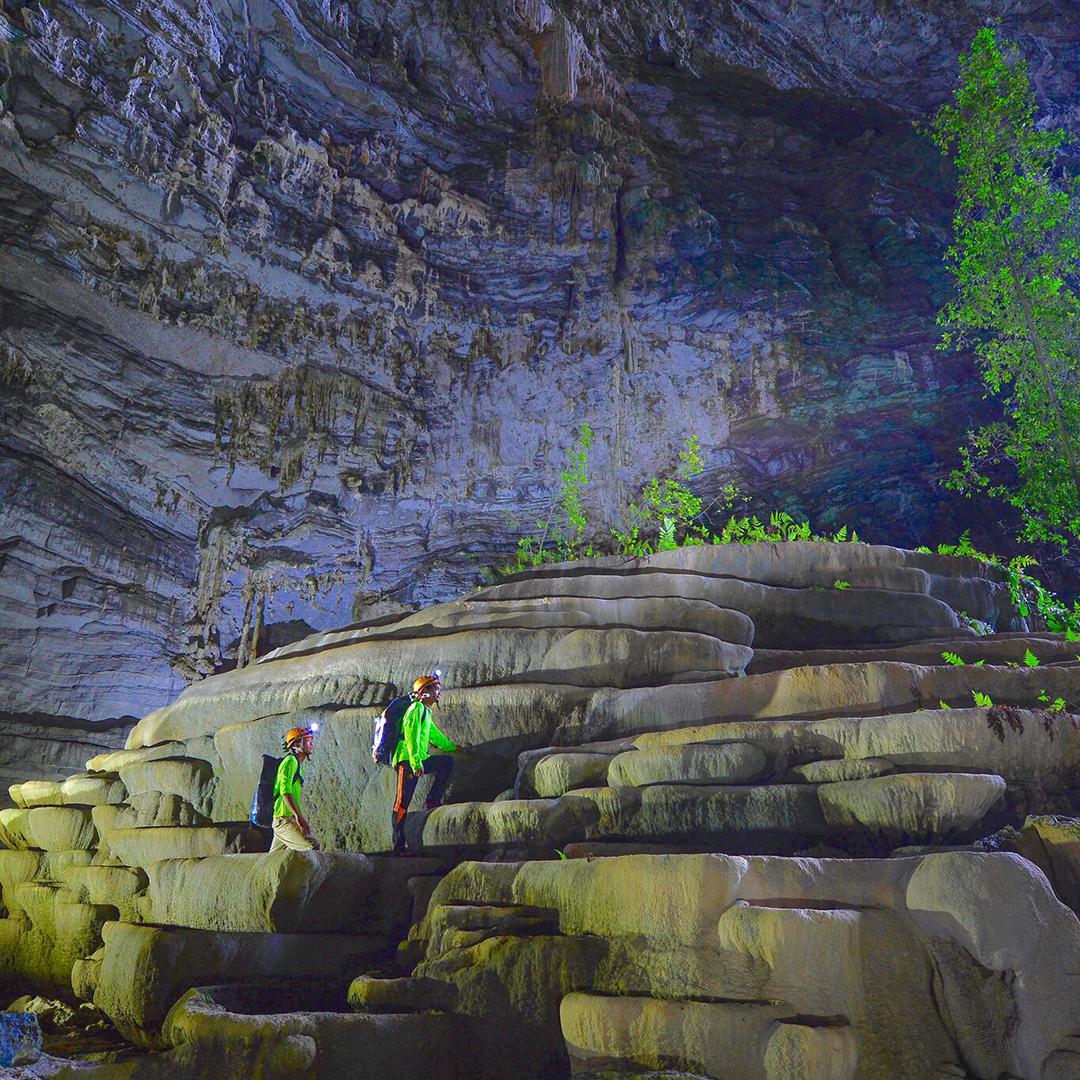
point(715, 818)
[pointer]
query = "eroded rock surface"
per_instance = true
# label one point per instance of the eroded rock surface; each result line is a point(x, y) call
point(301, 303)
point(649, 861)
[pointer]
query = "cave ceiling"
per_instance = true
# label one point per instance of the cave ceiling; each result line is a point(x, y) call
point(301, 304)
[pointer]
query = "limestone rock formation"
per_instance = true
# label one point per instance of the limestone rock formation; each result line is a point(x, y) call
point(301, 303)
point(651, 862)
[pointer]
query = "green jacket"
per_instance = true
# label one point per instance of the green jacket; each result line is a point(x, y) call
point(287, 781)
point(417, 730)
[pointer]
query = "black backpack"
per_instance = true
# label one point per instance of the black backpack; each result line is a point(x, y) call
point(262, 802)
point(388, 729)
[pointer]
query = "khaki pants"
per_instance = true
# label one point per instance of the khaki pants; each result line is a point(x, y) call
point(287, 834)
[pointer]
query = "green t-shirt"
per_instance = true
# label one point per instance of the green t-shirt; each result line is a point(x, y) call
point(287, 782)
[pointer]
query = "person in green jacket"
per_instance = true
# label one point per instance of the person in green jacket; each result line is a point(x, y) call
point(412, 756)
point(291, 829)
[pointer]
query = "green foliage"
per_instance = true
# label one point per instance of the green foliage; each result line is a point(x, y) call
point(1026, 592)
point(667, 514)
point(953, 659)
point(782, 526)
point(1015, 259)
point(984, 701)
point(838, 584)
point(944, 705)
point(562, 533)
point(1030, 659)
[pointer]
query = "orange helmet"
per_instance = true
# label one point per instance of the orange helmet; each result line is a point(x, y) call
point(294, 735)
point(426, 680)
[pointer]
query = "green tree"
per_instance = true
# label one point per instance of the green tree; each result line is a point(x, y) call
point(1015, 257)
point(562, 532)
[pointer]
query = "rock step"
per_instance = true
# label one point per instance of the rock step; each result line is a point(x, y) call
point(571, 612)
point(783, 618)
point(808, 693)
point(247, 1039)
point(145, 969)
point(143, 846)
point(359, 674)
point(899, 807)
point(286, 892)
point(726, 1040)
point(82, 789)
point(993, 649)
point(48, 828)
point(189, 779)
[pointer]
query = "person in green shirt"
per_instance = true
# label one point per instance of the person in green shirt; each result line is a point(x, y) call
point(412, 756)
point(291, 828)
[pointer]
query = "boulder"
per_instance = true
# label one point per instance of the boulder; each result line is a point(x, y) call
point(118, 886)
point(911, 804)
point(1001, 911)
point(36, 793)
point(1053, 844)
point(555, 774)
point(371, 994)
point(258, 1031)
point(14, 825)
point(145, 969)
point(694, 763)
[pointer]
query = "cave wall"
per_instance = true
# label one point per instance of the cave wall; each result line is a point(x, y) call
point(301, 304)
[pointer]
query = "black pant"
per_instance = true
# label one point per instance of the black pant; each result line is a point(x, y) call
point(440, 766)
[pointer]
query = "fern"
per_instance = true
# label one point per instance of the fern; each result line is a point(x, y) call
point(1030, 659)
point(841, 584)
point(983, 701)
point(952, 659)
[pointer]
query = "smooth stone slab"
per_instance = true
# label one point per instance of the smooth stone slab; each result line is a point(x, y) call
point(733, 812)
point(286, 892)
point(547, 822)
point(556, 774)
point(36, 793)
point(141, 847)
point(694, 763)
point(60, 828)
point(835, 770)
point(911, 804)
point(88, 789)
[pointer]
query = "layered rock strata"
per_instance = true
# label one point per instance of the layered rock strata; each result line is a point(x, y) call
point(301, 303)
